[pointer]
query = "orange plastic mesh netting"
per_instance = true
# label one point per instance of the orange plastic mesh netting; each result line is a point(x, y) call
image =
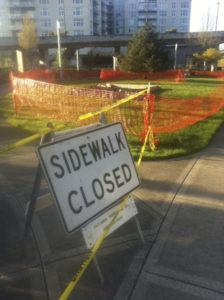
point(44, 100)
point(42, 75)
point(173, 75)
point(172, 114)
point(214, 74)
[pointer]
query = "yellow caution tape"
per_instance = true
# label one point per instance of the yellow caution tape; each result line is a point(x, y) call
point(109, 107)
point(29, 139)
point(85, 264)
point(151, 139)
point(143, 148)
point(83, 117)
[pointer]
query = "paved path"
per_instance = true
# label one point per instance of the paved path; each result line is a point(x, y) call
point(187, 258)
point(181, 211)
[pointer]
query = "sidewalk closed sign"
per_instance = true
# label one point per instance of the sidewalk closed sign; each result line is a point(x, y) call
point(88, 173)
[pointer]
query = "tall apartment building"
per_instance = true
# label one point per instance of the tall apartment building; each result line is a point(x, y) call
point(94, 17)
point(77, 17)
point(162, 14)
point(11, 15)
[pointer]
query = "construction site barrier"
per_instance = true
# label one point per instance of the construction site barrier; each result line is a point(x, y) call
point(44, 100)
point(51, 75)
point(214, 74)
point(81, 74)
point(173, 75)
point(38, 99)
point(171, 114)
point(41, 75)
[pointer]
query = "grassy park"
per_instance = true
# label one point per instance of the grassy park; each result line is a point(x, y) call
point(173, 144)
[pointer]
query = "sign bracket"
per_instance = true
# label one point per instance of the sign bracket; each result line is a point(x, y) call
point(30, 208)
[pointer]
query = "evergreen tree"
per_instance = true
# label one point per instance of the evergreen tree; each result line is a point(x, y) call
point(146, 53)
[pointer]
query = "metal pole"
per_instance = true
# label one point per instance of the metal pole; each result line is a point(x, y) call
point(77, 59)
point(59, 48)
point(98, 269)
point(139, 230)
point(175, 57)
point(217, 15)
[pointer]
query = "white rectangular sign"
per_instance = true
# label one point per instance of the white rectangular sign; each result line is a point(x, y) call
point(93, 231)
point(88, 173)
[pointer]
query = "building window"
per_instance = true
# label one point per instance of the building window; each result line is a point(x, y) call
point(184, 13)
point(132, 6)
point(162, 13)
point(45, 23)
point(44, 2)
point(131, 22)
point(173, 5)
point(131, 29)
point(173, 22)
point(44, 12)
point(183, 21)
point(173, 13)
point(77, 11)
point(77, 1)
point(183, 29)
point(62, 23)
point(132, 14)
point(162, 6)
point(60, 2)
point(162, 21)
point(162, 29)
point(61, 12)
point(184, 5)
point(78, 22)
point(78, 32)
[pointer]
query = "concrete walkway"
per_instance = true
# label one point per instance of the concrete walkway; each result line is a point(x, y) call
point(181, 212)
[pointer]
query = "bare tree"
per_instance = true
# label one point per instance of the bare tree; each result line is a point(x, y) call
point(205, 37)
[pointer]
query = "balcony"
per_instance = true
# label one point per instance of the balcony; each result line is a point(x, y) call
point(16, 27)
point(21, 4)
point(147, 16)
point(19, 16)
point(147, 7)
point(16, 16)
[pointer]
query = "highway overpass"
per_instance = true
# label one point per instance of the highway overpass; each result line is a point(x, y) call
point(10, 43)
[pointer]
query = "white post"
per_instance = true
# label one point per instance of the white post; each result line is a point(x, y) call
point(175, 57)
point(59, 48)
point(115, 63)
point(77, 59)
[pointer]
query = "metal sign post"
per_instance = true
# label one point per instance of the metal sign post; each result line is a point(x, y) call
point(88, 170)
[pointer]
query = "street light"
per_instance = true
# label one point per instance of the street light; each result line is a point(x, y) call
point(175, 56)
point(217, 15)
point(59, 48)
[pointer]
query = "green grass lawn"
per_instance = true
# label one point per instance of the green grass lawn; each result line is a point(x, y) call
point(182, 142)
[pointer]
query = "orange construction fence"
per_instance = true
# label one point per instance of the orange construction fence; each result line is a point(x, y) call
point(173, 75)
point(42, 75)
point(82, 74)
point(171, 114)
point(214, 74)
point(46, 100)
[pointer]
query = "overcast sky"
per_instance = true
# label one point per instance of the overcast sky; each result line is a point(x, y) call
point(201, 9)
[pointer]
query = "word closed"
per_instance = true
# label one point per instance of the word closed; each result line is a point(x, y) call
point(88, 173)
